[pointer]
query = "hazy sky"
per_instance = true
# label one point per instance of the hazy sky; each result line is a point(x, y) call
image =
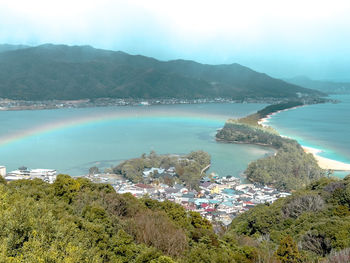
point(280, 37)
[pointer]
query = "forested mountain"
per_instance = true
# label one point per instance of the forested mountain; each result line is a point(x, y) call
point(76, 72)
point(329, 87)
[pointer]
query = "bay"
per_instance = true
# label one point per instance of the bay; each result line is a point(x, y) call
point(73, 140)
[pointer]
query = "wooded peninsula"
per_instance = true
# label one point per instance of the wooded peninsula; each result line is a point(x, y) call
point(290, 168)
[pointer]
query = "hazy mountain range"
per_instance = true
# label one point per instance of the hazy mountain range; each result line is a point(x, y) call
point(329, 87)
point(76, 72)
point(7, 47)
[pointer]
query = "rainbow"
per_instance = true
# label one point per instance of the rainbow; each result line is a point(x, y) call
point(111, 116)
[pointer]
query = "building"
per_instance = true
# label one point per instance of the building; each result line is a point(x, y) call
point(47, 175)
point(2, 171)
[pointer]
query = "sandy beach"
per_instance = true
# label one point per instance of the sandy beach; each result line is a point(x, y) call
point(326, 163)
point(264, 120)
point(323, 162)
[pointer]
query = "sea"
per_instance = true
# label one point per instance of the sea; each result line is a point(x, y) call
point(321, 126)
point(72, 140)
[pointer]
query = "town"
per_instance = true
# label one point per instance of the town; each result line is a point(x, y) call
point(11, 104)
point(218, 199)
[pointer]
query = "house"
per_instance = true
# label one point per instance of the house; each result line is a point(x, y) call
point(147, 172)
point(242, 186)
point(214, 189)
point(284, 194)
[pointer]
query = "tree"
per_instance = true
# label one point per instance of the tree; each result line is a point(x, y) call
point(22, 168)
point(288, 251)
point(2, 180)
point(94, 170)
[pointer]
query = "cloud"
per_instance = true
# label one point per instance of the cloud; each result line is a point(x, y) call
point(209, 31)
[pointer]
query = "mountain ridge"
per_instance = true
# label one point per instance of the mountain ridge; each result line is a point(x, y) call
point(77, 72)
point(326, 86)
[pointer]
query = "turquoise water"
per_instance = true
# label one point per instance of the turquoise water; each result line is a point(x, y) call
point(322, 126)
point(72, 140)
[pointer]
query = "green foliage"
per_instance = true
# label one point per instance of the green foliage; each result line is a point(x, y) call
point(74, 220)
point(2, 180)
point(188, 167)
point(94, 170)
point(318, 218)
point(237, 132)
point(66, 187)
point(287, 251)
point(291, 168)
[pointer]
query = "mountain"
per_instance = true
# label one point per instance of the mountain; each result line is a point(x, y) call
point(329, 87)
point(76, 72)
point(7, 47)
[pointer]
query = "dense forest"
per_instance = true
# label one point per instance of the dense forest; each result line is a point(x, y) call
point(290, 168)
point(237, 132)
point(79, 72)
point(74, 220)
point(188, 167)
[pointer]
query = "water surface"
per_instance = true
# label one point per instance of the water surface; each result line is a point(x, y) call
point(72, 140)
point(322, 126)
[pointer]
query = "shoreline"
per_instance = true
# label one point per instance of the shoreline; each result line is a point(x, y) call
point(326, 163)
point(18, 105)
point(323, 162)
point(264, 120)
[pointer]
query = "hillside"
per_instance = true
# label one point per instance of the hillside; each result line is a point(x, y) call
point(76, 72)
point(74, 220)
point(329, 87)
point(316, 220)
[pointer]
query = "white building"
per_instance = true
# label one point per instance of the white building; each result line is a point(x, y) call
point(21, 174)
point(47, 175)
point(2, 171)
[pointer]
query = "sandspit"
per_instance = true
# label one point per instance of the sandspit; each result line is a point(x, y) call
point(326, 163)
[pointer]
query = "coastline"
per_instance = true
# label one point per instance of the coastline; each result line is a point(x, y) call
point(326, 163)
point(264, 120)
point(17, 105)
point(323, 162)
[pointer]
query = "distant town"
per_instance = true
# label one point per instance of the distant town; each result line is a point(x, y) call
point(10, 104)
point(219, 199)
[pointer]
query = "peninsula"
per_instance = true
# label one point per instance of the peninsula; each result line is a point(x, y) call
point(264, 115)
point(299, 168)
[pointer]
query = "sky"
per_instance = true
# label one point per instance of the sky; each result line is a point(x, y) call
point(282, 38)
